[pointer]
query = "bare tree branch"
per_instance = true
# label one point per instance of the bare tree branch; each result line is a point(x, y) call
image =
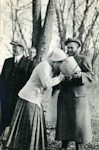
point(21, 33)
point(27, 20)
point(80, 4)
point(91, 3)
point(96, 48)
point(12, 4)
point(61, 27)
point(74, 18)
point(12, 19)
point(69, 10)
point(91, 28)
point(81, 27)
point(24, 6)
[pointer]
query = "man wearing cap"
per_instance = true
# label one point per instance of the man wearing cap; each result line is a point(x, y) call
point(73, 112)
point(16, 71)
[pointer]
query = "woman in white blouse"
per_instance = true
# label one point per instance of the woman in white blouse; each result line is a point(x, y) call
point(27, 131)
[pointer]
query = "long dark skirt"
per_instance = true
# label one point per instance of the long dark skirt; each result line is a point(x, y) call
point(27, 131)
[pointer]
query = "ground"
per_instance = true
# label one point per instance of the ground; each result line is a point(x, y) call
point(53, 145)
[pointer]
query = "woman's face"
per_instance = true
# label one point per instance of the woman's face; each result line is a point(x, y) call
point(56, 65)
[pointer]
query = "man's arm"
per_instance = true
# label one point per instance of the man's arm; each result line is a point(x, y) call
point(86, 75)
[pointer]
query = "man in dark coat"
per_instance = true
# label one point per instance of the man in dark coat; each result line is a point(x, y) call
point(73, 112)
point(15, 73)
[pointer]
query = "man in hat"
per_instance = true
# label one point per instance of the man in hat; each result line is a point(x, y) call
point(73, 112)
point(16, 71)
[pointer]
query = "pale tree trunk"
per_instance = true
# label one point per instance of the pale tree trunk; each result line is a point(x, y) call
point(46, 34)
point(61, 25)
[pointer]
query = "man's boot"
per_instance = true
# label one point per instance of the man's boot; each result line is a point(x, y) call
point(64, 145)
point(79, 146)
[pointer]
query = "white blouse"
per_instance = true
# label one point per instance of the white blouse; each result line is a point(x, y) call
point(40, 80)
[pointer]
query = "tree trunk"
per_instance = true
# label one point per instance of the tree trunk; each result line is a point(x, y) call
point(61, 27)
point(74, 18)
point(45, 37)
point(36, 13)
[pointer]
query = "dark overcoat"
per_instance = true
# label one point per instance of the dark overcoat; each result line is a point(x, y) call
point(73, 112)
point(13, 78)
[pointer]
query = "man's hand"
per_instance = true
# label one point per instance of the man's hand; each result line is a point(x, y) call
point(68, 78)
point(61, 76)
point(77, 75)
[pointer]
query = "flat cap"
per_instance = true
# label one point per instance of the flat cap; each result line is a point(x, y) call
point(69, 40)
point(15, 43)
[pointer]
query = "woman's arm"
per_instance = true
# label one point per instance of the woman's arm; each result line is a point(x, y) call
point(47, 79)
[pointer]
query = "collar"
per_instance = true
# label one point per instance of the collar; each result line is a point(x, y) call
point(17, 58)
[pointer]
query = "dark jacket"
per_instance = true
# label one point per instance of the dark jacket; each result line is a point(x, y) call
point(13, 78)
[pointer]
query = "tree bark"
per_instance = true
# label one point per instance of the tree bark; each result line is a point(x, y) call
point(74, 18)
point(61, 27)
point(45, 37)
point(36, 13)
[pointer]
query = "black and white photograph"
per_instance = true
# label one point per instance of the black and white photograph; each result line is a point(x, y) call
point(49, 74)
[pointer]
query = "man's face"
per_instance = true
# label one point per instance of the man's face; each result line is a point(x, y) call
point(17, 50)
point(32, 53)
point(72, 48)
